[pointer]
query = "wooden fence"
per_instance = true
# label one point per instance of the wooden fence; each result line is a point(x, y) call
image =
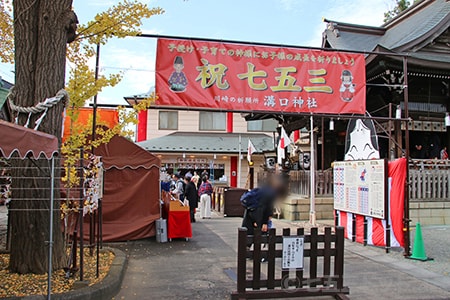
point(286, 283)
point(429, 179)
point(300, 182)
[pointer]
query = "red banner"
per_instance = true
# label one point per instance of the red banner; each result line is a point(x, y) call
point(236, 77)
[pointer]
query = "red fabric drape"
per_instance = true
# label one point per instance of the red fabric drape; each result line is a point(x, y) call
point(107, 117)
point(142, 126)
point(179, 224)
point(360, 229)
point(397, 173)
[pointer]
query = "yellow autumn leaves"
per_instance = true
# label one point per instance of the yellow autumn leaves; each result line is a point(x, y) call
point(18, 285)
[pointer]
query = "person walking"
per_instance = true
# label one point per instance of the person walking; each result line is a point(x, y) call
point(191, 195)
point(204, 193)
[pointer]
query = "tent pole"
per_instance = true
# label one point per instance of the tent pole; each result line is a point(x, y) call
point(80, 212)
point(50, 242)
point(94, 109)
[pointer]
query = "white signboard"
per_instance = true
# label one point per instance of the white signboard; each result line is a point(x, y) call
point(360, 187)
point(292, 252)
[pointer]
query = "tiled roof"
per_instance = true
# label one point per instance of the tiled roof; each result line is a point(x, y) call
point(413, 29)
point(352, 40)
point(140, 96)
point(418, 25)
point(208, 142)
point(5, 84)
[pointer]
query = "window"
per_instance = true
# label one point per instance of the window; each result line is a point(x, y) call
point(168, 120)
point(213, 120)
point(269, 125)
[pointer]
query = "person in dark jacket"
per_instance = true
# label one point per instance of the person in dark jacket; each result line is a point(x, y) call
point(191, 195)
point(260, 216)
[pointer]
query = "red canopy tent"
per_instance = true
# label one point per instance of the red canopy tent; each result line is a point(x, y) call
point(26, 142)
point(130, 202)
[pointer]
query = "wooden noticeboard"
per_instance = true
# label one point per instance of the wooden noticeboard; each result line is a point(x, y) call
point(360, 187)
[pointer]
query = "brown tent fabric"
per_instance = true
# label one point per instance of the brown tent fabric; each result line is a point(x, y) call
point(131, 192)
point(26, 142)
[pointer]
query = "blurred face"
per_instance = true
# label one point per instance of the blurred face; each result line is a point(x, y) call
point(346, 78)
point(178, 67)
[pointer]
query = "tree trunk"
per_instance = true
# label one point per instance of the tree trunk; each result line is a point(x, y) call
point(41, 34)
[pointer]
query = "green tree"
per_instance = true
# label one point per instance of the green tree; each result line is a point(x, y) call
point(400, 5)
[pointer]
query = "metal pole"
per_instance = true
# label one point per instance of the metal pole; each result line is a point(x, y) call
point(50, 242)
point(80, 211)
point(92, 218)
point(390, 153)
point(174, 37)
point(406, 219)
point(94, 109)
point(297, 114)
point(239, 163)
point(323, 146)
point(251, 172)
point(312, 170)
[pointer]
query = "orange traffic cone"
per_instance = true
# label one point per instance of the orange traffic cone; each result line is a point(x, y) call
point(418, 252)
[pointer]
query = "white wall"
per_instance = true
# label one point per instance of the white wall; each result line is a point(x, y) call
point(188, 121)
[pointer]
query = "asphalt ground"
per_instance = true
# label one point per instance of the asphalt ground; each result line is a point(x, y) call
point(205, 266)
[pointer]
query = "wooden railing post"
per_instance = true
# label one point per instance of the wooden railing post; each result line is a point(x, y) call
point(285, 273)
point(271, 259)
point(256, 259)
point(327, 252)
point(329, 283)
point(339, 260)
point(242, 259)
point(299, 272)
point(313, 257)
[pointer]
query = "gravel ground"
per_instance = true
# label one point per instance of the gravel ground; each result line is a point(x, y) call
point(436, 240)
point(437, 243)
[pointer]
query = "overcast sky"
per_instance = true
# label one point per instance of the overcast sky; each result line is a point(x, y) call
point(294, 22)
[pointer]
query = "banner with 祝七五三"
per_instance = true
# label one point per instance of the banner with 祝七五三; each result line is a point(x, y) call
point(237, 77)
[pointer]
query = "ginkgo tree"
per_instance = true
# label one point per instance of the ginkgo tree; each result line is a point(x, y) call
point(35, 34)
point(120, 21)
